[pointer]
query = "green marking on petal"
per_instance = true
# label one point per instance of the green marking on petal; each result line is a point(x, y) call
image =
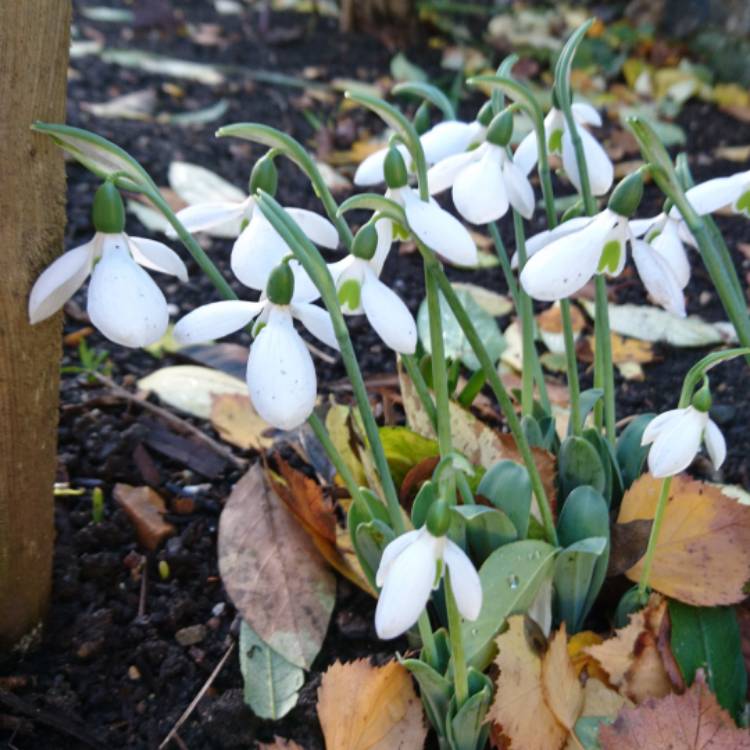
point(743, 204)
point(349, 294)
point(400, 232)
point(554, 144)
point(259, 326)
point(610, 257)
point(652, 235)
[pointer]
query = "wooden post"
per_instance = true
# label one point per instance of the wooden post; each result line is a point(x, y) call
point(34, 39)
point(358, 14)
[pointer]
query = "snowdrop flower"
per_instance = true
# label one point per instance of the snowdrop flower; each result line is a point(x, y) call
point(124, 302)
point(280, 372)
point(485, 181)
point(712, 195)
point(412, 566)
point(432, 225)
point(601, 171)
point(676, 436)
point(361, 291)
point(259, 248)
point(668, 234)
point(442, 140)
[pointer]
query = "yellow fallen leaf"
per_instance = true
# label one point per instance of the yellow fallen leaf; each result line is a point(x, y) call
point(631, 656)
point(702, 556)
point(551, 328)
point(237, 422)
point(362, 707)
point(580, 659)
point(562, 691)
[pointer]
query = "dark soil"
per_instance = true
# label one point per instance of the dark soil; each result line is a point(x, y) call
point(108, 671)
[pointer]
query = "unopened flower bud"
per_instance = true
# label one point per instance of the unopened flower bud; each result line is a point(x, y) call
point(264, 176)
point(280, 286)
point(501, 128)
point(365, 242)
point(396, 175)
point(422, 118)
point(439, 518)
point(108, 212)
point(485, 114)
point(702, 398)
point(626, 197)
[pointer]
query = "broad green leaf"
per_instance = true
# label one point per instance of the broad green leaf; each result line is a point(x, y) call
point(631, 455)
point(404, 449)
point(486, 530)
point(271, 683)
point(456, 344)
point(579, 464)
point(435, 691)
point(468, 728)
point(425, 91)
point(587, 731)
point(508, 487)
point(708, 638)
point(510, 579)
point(369, 541)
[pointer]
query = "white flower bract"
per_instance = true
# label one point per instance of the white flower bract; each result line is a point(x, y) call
point(123, 302)
point(733, 191)
point(675, 438)
point(410, 568)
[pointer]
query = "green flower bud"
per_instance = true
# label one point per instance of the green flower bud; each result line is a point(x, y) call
point(264, 176)
point(626, 197)
point(365, 242)
point(108, 212)
point(702, 398)
point(396, 175)
point(422, 118)
point(501, 128)
point(485, 114)
point(280, 286)
point(439, 518)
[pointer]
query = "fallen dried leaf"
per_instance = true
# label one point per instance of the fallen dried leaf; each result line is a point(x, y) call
point(580, 659)
point(692, 721)
point(145, 509)
point(237, 422)
point(702, 556)
point(362, 707)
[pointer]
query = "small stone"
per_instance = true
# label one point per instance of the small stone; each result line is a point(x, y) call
point(145, 509)
point(90, 649)
point(705, 298)
point(134, 673)
point(219, 609)
point(191, 635)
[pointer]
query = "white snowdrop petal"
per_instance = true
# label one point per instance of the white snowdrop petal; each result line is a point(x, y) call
point(406, 589)
point(527, 153)
point(280, 373)
point(442, 175)
point(639, 227)
point(384, 230)
point(712, 195)
point(520, 192)
point(318, 321)
point(565, 265)
point(256, 252)
point(304, 287)
point(715, 444)
point(479, 191)
point(669, 246)
point(60, 281)
point(600, 168)
point(538, 241)
point(370, 170)
point(659, 423)
point(676, 445)
point(215, 320)
point(156, 256)
point(445, 139)
point(586, 114)
point(391, 552)
point(388, 315)
point(316, 227)
point(658, 278)
point(205, 216)
point(467, 588)
point(124, 302)
point(439, 230)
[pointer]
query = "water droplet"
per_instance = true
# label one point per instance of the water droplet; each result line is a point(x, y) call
point(475, 631)
point(513, 582)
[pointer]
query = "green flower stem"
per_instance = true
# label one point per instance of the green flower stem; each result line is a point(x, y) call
point(309, 256)
point(506, 405)
point(531, 365)
point(416, 377)
point(463, 487)
point(502, 256)
point(337, 459)
point(648, 560)
point(460, 675)
point(427, 636)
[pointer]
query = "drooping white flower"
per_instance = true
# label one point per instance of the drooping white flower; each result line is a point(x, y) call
point(559, 142)
point(484, 182)
point(360, 291)
point(410, 568)
point(733, 191)
point(675, 438)
point(440, 141)
point(124, 302)
point(280, 371)
point(259, 248)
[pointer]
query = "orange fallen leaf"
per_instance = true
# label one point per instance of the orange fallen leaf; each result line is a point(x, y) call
point(702, 556)
point(692, 721)
point(145, 508)
point(632, 658)
point(362, 707)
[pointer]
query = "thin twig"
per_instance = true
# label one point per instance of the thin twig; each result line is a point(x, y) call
point(189, 710)
point(171, 419)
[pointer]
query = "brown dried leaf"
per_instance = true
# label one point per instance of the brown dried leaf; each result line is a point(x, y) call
point(362, 707)
point(631, 657)
point(272, 571)
point(628, 545)
point(580, 659)
point(692, 721)
point(703, 553)
point(598, 700)
point(562, 691)
point(145, 508)
point(233, 417)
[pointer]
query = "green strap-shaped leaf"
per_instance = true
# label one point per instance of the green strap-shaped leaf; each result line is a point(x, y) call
point(374, 202)
point(565, 62)
point(271, 683)
point(428, 92)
